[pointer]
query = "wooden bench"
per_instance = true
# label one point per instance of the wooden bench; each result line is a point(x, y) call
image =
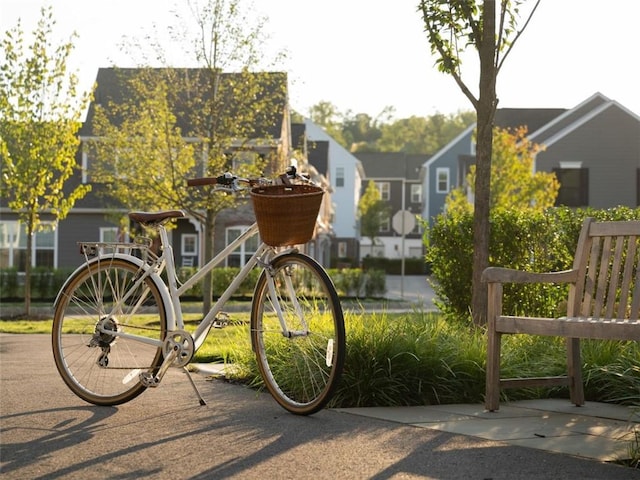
point(603, 303)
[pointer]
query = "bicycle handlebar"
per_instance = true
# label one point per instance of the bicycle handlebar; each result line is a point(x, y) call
point(230, 182)
point(226, 179)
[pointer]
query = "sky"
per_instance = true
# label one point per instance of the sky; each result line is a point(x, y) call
point(365, 55)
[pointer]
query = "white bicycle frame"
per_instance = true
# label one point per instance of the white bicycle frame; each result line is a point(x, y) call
point(264, 256)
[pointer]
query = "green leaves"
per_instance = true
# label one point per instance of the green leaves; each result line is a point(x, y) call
point(39, 120)
point(372, 211)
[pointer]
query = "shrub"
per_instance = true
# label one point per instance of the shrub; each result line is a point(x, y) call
point(533, 241)
point(421, 358)
point(354, 282)
point(221, 278)
point(9, 286)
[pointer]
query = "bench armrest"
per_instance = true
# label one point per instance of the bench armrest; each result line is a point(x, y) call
point(509, 275)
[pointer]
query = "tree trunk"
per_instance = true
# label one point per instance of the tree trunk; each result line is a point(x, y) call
point(484, 146)
point(27, 271)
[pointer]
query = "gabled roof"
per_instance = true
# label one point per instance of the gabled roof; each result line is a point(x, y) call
point(392, 165)
point(191, 84)
point(544, 125)
point(319, 156)
point(575, 117)
point(532, 118)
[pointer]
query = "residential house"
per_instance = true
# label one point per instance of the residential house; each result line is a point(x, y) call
point(92, 220)
point(345, 174)
point(397, 177)
point(594, 149)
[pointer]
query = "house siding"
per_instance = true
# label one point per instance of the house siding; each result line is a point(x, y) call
point(448, 157)
point(612, 160)
point(345, 198)
point(78, 227)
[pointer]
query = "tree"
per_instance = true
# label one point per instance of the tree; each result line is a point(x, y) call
point(450, 28)
point(326, 115)
point(230, 118)
point(514, 182)
point(372, 212)
point(413, 135)
point(422, 135)
point(40, 114)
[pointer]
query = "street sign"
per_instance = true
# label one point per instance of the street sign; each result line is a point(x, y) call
point(403, 222)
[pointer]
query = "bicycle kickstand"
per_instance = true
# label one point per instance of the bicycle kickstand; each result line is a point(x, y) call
point(150, 380)
point(193, 384)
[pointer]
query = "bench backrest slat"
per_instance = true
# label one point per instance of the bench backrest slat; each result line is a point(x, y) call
point(615, 272)
point(635, 304)
point(607, 260)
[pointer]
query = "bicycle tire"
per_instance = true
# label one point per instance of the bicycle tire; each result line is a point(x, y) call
point(100, 368)
point(301, 370)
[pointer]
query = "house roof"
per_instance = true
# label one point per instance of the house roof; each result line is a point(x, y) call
point(319, 156)
point(532, 118)
point(192, 87)
point(392, 165)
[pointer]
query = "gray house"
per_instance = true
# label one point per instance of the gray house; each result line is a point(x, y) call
point(96, 218)
point(397, 177)
point(593, 148)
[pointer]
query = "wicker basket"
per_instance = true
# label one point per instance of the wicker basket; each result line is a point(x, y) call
point(286, 214)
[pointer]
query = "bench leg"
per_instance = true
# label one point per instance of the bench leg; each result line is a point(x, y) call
point(574, 371)
point(492, 391)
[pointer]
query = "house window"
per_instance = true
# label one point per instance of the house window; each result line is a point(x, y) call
point(442, 180)
point(13, 246)
point(385, 224)
point(189, 244)
point(416, 193)
point(574, 186)
point(241, 254)
point(340, 177)
point(342, 249)
point(385, 190)
point(108, 234)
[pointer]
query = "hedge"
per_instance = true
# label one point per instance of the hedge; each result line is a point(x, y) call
point(45, 283)
point(532, 241)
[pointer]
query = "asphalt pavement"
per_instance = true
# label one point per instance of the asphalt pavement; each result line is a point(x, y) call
point(46, 432)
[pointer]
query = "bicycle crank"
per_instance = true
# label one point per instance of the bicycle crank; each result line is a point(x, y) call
point(177, 349)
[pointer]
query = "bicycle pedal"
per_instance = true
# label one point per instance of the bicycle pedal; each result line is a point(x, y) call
point(222, 320)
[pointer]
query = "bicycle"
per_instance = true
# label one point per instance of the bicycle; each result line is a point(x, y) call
point(118, 326)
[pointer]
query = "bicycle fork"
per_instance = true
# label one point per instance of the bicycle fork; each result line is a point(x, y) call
point(275, 299)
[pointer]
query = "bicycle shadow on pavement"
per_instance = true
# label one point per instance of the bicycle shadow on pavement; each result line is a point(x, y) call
point(44, 432)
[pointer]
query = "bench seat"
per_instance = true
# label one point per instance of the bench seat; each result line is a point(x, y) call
point(603, 303)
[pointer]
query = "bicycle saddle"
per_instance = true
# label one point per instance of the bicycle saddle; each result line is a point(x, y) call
point(155, 218)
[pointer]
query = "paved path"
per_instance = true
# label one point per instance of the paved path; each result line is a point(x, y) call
point(415, 289)
point(47, 433)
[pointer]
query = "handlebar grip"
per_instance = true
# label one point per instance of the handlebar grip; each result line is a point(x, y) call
point(197, 182)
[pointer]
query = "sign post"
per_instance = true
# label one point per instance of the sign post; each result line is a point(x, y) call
point(403, 222)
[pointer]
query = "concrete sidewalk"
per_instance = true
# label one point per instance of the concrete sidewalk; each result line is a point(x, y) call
point(46, 432)
point(599, 431)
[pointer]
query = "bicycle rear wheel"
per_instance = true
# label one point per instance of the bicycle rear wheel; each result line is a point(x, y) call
point(101, 368)
point(300, 364)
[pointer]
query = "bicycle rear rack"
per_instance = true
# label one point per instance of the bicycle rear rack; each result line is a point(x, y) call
point(140, 248)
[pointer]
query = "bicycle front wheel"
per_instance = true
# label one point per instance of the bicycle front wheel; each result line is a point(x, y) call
point(297, 333)
point(104, 296)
